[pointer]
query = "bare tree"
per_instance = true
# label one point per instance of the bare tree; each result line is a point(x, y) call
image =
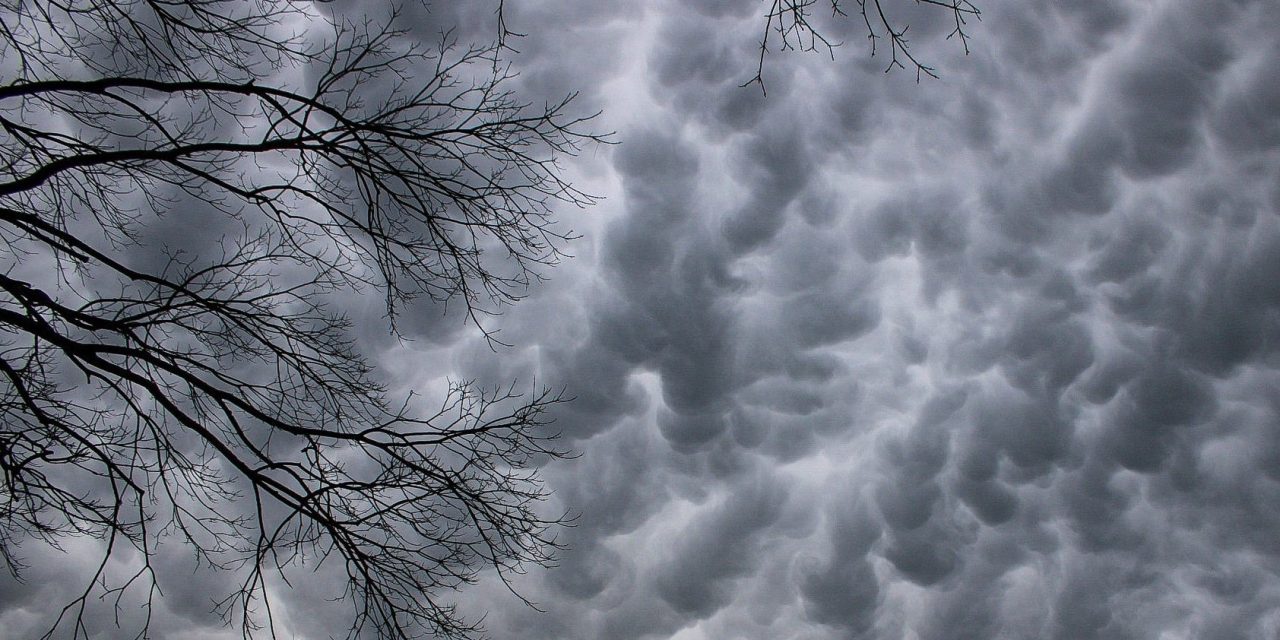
point(789, 23)
point(214, 397)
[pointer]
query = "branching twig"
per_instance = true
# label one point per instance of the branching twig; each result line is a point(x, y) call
point(215, 397)
point(790, 21)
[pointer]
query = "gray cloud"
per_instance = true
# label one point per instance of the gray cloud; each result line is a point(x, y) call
point(1005, 338)
point(990, 356)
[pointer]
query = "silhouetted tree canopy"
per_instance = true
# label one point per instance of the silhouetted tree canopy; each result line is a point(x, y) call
point(203, 388)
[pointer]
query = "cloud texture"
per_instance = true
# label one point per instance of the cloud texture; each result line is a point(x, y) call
point(991, 356)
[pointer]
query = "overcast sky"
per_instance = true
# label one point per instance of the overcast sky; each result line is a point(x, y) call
point(990, 356)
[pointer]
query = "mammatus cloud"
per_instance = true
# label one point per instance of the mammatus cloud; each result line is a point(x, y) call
point(992, 356)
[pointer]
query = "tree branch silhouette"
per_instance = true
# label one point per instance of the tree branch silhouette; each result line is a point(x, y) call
point(790, 23)
point(140, 403)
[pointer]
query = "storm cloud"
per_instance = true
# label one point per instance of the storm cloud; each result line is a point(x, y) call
point(995, 355)
point(987, 356)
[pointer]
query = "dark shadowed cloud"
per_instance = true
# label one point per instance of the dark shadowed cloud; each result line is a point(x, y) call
point(990, 356)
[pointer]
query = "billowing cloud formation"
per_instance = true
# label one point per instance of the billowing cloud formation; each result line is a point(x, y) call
point(992, 356)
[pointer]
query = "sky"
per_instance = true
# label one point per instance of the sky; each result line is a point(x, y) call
point(993, 355)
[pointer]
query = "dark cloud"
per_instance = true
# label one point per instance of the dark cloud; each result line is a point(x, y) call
point(993, 356)
point(1005, 333)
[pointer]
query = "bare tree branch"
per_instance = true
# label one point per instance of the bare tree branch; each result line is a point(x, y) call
point(790, 22)
point(215, 398)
